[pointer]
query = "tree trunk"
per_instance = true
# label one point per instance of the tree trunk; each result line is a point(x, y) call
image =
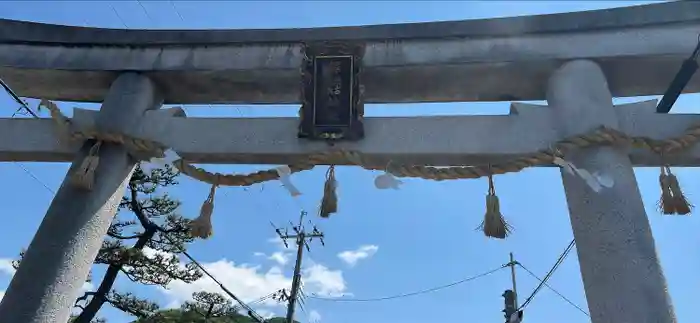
point(100, 296)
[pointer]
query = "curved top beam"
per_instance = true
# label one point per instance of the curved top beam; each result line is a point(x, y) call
point(21, 32)
point(639, 48)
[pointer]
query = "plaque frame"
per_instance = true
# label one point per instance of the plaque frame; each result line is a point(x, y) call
point(309, 110)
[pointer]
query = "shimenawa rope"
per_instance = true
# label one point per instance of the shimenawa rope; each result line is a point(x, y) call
point(672, 202)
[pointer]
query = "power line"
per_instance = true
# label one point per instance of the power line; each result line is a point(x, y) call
point(276, 295)
point(549, 274)
point(250, 310)
point(554, 290)
point(424, 291)
point(24, 169)
point(118, 16)
point(182, 18)
point(23, 105)
point(35, 178)
point(144, 10)
point(172, 3)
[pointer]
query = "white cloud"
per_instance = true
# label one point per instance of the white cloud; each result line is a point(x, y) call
point(149, 252)
point(7, 269)
point(88, 287)
point(279, 243)
point(321, 281)
point(248, 283)
point(351, 257)
point(251, 283)
point(314, 316)
point(266, 314)
point(6, 266)
point(281, 258)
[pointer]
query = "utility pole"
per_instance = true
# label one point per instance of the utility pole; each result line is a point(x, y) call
point(512, 264)
point(300, 236)
point(512, 314)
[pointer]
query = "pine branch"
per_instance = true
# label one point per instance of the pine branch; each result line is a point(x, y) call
point(209, 305)
point(133, 305)
point(159, 269)
point(100, 295)
point(145, 207)
point(83, 298)
point(120, 237)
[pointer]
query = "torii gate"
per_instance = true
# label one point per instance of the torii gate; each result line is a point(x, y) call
point(576, 61)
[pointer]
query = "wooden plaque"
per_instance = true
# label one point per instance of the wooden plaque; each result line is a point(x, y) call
point(332, 107)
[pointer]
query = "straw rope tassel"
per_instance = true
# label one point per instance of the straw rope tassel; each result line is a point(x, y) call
point(666, 200)
point(63, 125)
point(201, 226)
point(494, 224)
point(329, 203)
point(84, 176)
point(673, 201)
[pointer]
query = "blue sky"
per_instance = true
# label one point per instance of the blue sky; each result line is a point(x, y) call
point(416, 238)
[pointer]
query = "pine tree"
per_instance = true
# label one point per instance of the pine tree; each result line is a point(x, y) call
point(204, 307)
point(209, 305)
point(143, 243)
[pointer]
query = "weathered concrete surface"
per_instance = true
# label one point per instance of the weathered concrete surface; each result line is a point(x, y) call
point(621, 273)
point(639, 48)
point(410, 140)
point(60, 256)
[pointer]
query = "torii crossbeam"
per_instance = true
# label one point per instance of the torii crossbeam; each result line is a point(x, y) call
point(619, 52)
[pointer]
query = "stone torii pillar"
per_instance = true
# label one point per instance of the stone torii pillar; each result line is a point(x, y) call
point(60, 256)
point(622, 277)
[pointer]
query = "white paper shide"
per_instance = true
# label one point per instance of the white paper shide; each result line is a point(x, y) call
point(284, 173)
point(387, 181)
point(597, 181)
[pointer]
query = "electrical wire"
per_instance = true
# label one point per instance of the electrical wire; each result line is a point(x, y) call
point(262, 299)
point(251, 311)
point(543, 282)
point(144, 10)
point(172, 3)
point(118, 16)
point(554, 290)
point(35, 178)
point(182, 18)
point(186, 254)
point(16, 98)
point(424, 291)
point(549, 274)
point(24, 106)
point(246, 306)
